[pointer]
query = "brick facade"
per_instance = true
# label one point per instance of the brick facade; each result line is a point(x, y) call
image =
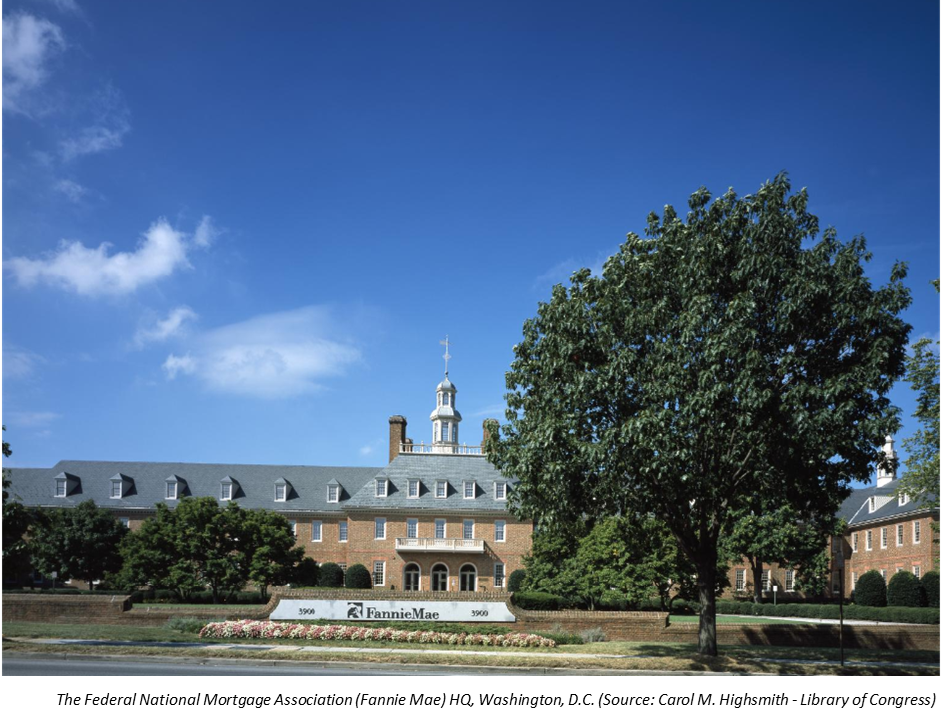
point(900, 548)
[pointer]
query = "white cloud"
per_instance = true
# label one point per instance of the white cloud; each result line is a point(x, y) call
point(205, 233)
point(109, 126)
point(93, 271)
point(165, 328)
point(29, 43)
point(562, 272)
point(19, 362)
point(366, 450)
point(71, 189)
point(277, 355)
point(66, 6)
point(30, 419)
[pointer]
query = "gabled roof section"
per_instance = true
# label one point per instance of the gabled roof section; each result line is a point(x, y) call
point(856, 508)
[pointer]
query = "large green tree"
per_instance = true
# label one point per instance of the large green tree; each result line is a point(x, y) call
point(271, 551)
point(726, 362)
point(80, 542)
point(17, 520)
point(921, 476)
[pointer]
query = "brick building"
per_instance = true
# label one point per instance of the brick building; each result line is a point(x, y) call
point(435, 518)
point(886, 532)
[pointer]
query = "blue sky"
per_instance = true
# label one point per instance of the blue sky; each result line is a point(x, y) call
point(236, 232)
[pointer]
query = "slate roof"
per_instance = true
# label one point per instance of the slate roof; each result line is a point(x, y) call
point(429, 468)
point(855, 508)
point(254, 484)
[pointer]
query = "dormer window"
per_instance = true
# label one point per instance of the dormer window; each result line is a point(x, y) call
point(381, 484)
point(119, 485)
point(441, 489)
point(413, 489)
point(61, 488)
point(171, 490)
point(226, 490)
point(116, 489)
point(333, 493)
point(280, 493)
point(468, 489)
point(871, 504)
point(500, 488)
point(65, 484)
point(902, 499)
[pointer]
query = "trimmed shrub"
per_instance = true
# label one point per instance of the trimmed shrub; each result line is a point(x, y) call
point(331, 575)
point(870, 590)
point(358, 577)
point(538, 601)
point(931, 587)
point(307, 572)
point(904, 590)
point(891, 614)
point(516, 579)
point(186, 624)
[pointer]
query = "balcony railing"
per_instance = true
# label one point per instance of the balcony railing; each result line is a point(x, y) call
point(461, 450)
point(449, 545)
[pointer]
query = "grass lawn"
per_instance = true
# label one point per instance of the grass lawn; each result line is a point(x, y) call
point(734, 620)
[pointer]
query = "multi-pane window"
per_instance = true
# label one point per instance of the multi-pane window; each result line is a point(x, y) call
point(333, 494)
point(871, 504)
point(900, 534)
point(468, 489)
point(61, 488)
point(499, 491)
point(379, 573)
point(441, 489)
point(280, 492)
point(916, 535)
point(380, 487)
point(902, 499)
point(855, 542)
point(117, 489)
point(499, 575)
point(440, 528)
point(882, 571)
point(124, 522)
point(455, 432)
point(413, 491)
point(854, 575)
point(380, 529)
point(293, 525)
point(884, 538)
point(171, 491)
point(343, 531)
point(500, 531)
point(317, 531)
point(868, 540)
point(412, 528)
point(225, 492)
point(917, 571)
point(444, 430)
point(468, 530)
point(764, 581)
point(739, 583)
point(790, 579)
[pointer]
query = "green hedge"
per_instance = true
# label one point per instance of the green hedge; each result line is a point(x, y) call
point(307, 572)
point(538, 601)
point(931, 586)
point(870, 590)
point(358, 576)
point(893, 614)
point(331, 575)
point(516, 579)
point(160, 596)
point(904, 590)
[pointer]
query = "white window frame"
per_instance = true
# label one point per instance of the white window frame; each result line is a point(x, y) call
point(385, 483)
point(916, 533)
point(280, 493)
point(899, 535)
point(112, 491)
point(65, 488)
point(765, 578)
point(412, 523)
point(444, 431)
point(884, 534)
point(173, 486)
point(468, 490)
point(790, 580)
point(124, 521)
point(333, 494)
point(739, 580)
point(868, 540)
point(902, 499)
point(382, 571)
point(293, 525)
point(442, 489)
point(436, 525)
point(343, 531)
point(412, 490)
point(855, 542)
point(498, 579)
point(503, 526)
point(882, 571)
point(503, 487)
point(917, 571)
point(854, 578)
point(316, 531)
point(376, 529)
point(222, 496)
point(470, 523)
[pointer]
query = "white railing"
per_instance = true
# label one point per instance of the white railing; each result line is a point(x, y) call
point(452, 545)
point(462, 450)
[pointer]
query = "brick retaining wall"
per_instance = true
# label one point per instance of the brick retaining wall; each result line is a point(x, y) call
point(55, 608)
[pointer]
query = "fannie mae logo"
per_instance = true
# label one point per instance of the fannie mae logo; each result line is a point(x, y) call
point(357, 610)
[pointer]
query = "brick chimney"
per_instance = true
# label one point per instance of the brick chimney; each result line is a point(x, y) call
point(489, 425)
point(397, 435)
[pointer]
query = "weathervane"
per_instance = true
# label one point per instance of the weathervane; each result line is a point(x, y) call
point(446, 354)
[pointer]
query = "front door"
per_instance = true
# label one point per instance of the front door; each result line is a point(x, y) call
point(467, 578)
point(440, 578)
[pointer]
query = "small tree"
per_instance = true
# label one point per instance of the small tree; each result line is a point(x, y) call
point(516, 579)
point(81, 542)
point(870, 590)
point(307, 572)
point(271, 551)
point(17, 521)
point(331, 575)
point(358, 576)
point(904, 590)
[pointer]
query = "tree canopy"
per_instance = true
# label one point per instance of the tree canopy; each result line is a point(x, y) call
point(732, 361)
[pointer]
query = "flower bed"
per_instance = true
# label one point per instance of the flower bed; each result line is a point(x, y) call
point(272, 629)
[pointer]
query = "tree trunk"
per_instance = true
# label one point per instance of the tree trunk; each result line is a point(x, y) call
point(757, 564)
point(707, 585)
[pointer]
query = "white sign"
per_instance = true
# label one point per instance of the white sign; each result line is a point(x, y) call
point(368, 610)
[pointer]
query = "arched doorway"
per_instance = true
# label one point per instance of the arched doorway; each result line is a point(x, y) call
point(467, 578)
point(411, 577)
point(440, 578)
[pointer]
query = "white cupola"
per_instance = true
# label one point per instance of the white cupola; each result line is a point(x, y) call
point(885, 477)
point(445, 417)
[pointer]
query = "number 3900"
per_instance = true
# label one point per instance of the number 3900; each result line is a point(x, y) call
point(306, 611)
point(480, 613)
